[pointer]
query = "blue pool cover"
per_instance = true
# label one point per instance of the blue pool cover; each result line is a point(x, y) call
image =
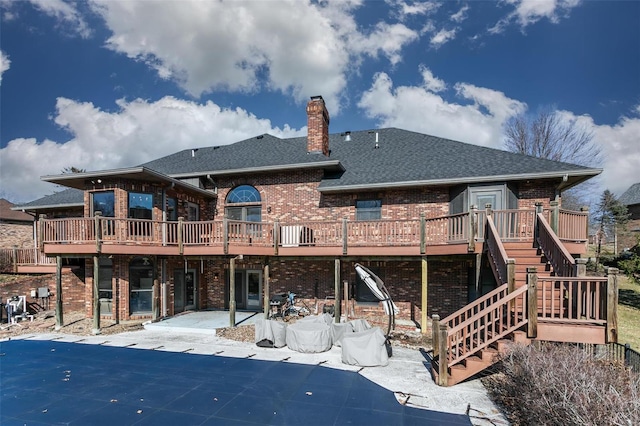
point(48, 382)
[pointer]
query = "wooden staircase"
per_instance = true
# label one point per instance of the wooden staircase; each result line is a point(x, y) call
point(564, 307)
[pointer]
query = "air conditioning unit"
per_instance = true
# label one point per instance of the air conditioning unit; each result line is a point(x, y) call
point(295, 236)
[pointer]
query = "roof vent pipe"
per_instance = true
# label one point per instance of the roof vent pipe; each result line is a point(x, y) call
point(347, 136)
point(377, 146)
point(193, 152)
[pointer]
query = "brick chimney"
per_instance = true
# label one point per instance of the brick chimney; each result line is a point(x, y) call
point(318, 126)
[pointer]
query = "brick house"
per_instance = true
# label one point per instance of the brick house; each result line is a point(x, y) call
point(443, 223)
point(629, 236)
point(16, 227)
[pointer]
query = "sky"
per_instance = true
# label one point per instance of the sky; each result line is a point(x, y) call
point(105, 84)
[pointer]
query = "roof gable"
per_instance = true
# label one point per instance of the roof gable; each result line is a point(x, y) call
point(631, 196)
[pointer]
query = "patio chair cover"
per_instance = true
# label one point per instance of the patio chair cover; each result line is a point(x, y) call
point(270, 334)
point(323, 318)
point(365, 348)
point(360, 325)
point(309, 337)
point(339, 330)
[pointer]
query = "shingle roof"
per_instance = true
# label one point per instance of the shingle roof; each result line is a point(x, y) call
point(402, 158)
point(66, 198)
point(631, 196)
point(11, 215)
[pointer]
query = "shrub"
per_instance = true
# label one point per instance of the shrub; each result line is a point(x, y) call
point(565, 385)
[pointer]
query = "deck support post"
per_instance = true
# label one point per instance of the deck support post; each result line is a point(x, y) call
point(276, 236)
point(59, 318)
point(97, 231)
point(511, 279)
point(536, 230)
point(581, 268)
point(555, 216)
point(424, 303)
point(96, 291)
point(265, 286)
point(612, 305)
point(14, 259)
point(473, 228)
point(225, 235)
point(232, 292)
point(532, 303)
point(338, 302)
point(156, 300)
point(443, 367)
point(41, 232)
point(180, 236)
point(345, 237)
point(435, 329)
point(423, 233)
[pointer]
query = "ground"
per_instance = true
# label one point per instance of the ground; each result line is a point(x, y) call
point(77, 323)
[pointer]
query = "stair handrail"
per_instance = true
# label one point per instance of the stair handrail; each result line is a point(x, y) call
point(563, 263)
point(472, 335)
point(497, 252)
point(476, 306)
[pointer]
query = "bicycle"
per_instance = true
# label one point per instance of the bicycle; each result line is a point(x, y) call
point(285, 306)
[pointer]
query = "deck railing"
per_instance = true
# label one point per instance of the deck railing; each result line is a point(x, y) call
point(422, 232)
point(12, 258)
point(562, 261)
point(497, 253)
point(563, 299)
point(572, 226)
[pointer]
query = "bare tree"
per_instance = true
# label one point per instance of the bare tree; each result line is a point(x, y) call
point(610, 215)
point(549, 135)
point(73, 169)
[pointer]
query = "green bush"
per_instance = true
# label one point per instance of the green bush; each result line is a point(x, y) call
point(565, 385)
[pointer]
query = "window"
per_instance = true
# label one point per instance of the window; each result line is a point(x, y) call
point(172, 209)
point(105, 287)
point(250, 210)
point(140, 205)
point(368, 209)
point(103, 202)
point(140, 285)
point(193, 212)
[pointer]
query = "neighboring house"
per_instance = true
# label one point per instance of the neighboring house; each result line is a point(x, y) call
point(436, 219)
point(629, 236)
point(16, 227)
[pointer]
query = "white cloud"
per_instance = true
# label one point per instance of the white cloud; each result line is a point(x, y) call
point(420, 109)
point(527, 12)
point(137, 132)
point(65, 14)
point(5, 64)
point(441, 37)
point(460, 15)
point(389, 39)
point(414, 8)
point(295, 47)
point(620, 146)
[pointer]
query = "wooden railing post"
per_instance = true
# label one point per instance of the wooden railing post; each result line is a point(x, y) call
point(443, 362)
point(581, 268)
point(423, 233)
point(59, 316)
point(276, 236)
point(97, 231)
point(344, 236)
point(511, 278)
point(488, 209)
point(536, 229)
point(532, 302)
point(41, 232)
point(612, 305)
point(180, 235)
point(225, 235)
point(14, 255)
point(424, 299)
point(435, 328)
point(473, 228)
point(585, 209)
point(96, 290)
point(555, 215)
point(338, 302)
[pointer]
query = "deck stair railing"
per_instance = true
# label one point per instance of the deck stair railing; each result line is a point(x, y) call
point(561, 260)
point(502, 267)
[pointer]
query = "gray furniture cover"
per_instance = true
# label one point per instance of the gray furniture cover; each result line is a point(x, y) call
point(322, 318)
point(309, 337)
point(270, 331)
point(365, 348)
point(360, 325)
point(339, 330)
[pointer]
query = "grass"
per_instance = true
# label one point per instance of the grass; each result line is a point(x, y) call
point(628, 312)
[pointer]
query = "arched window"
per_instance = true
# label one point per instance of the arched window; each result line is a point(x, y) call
point(244, 203)
point(140, 285)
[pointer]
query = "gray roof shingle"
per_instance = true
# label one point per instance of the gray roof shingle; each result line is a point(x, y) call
point(631, 196)
point(402, 157)
point(70, 197)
